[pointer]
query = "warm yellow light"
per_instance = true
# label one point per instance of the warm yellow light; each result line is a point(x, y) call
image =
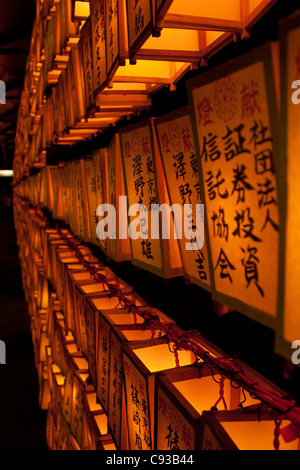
point(81, 10)
point(158, 358)
point(255, 435)
point(203, 392)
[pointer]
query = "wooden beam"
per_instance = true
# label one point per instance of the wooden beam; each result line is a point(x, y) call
point(168, 55)
point(195, 22)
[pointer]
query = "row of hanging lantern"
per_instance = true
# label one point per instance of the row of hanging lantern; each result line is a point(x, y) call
point(85, 55)
point(113, 373)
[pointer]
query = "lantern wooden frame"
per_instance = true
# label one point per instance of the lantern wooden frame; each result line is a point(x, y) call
point(287, 329)
point(111, 326)
point(262, 56)
point(76, 362)
point(94, 289)
point(95, 310)
point(170, 264)
point(94, 422)
point(131, 360)
point(215, 437)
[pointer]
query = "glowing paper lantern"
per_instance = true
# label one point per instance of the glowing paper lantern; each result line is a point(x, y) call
point(216, 23)
point(92, 288)
point(118, 247)
point(288, 329)
point(81, 9)
point(178, 156)
point(141, 362)
point(65, 440)
point(118, 76)
point(69, 35)
point(98, 338)
point(182, 397)
point(44, 391)
point(179, 49)
point(235, 128)
point(115, 328)
point(65, 259)
point(57, 390)
point(50, 430)
point(73, 273)
point(80, 387)
point(94, 422)
point(251, 428)
point(145, 187)
point(63, 343)
point(93, 195)
point(75, 363)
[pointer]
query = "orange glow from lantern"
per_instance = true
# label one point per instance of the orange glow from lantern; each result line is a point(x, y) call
point(81, 10)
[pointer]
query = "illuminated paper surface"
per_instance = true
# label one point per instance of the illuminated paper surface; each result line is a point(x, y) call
point(233, 117)
point(289, 297)
point(177, 150)
point(98, 43)
point(139, 20)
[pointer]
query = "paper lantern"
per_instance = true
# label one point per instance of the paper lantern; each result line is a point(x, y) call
point(145, 187)
point(64, 260)
point(83, 123)
point(86, 289)
point(98, 333)
point(65, 440)
point(140, 363)
point(51, 315)
point(288, 328)
point(68, 297)
point(80, 275)
point(214, 23)
point(93, 194)
point(44, 391)
point(51, 366)
point(118, 246)
point(251, 428)
point(179, 48)
point(60, 340)
point(57, 390)
point(52, 241)
point(50, 430)
point(81, 9)
point(112, 73)
point(75, 363)
point(51, 46)
point(42, 289)
point(94, 422)
point(115, 328)
point(233, 104)
point(69, 35)
point(43, 343)
point(80, 387)
point(178, 158)
point(182, 397)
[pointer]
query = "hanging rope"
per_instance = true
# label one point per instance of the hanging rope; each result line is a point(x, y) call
point(221, 393)
point(277, 433)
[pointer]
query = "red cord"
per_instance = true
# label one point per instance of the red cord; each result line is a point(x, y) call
point(225, 366)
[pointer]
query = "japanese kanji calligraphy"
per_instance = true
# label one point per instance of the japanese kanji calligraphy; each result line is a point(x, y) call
point(178, 154)
point(235, 137)
point(98, 43)
point(289, 325)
